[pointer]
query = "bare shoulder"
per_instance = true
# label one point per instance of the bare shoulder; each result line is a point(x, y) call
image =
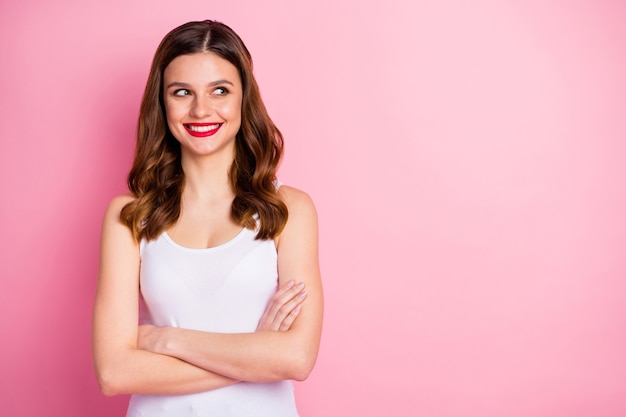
point(116, 205)
point(302, 218)
point(118, 202)
point(116, 238)
point(112, 225)
point(296, 199)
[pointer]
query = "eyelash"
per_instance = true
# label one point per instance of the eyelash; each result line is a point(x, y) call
point(184, 92)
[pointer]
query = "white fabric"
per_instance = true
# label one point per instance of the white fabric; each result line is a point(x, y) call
point(222, 289)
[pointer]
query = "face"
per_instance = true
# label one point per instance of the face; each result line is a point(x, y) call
point(202, 96)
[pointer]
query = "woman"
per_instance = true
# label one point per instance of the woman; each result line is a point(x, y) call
point(209, 253)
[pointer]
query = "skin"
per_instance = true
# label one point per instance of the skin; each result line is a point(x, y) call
point(151, 360)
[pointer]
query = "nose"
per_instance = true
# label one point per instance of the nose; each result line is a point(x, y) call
point(201, 107)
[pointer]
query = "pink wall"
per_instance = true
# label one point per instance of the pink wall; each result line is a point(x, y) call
point(469, 167)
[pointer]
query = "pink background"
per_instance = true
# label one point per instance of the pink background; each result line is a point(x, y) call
point(468, 161)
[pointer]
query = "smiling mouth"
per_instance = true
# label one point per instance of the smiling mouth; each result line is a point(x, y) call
point(201, 130)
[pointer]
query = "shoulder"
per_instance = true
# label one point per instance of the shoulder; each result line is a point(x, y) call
point(295, 199)
point(120, 201)
point(302, 218)
point(116, 205)
point(112, 220)
point(114, 232)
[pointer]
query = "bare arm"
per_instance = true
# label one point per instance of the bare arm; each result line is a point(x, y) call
point(264, 355)
point(120, 366)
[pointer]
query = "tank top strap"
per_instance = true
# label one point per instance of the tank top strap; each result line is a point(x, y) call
point(142, 245)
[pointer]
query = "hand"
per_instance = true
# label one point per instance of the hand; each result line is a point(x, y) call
point(283, 308)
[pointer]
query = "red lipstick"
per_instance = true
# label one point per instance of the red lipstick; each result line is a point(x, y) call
point(202, 130)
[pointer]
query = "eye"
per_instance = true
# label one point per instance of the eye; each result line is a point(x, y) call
point(181, 92)
point(220, 91)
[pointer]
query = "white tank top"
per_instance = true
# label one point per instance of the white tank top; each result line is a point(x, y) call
point(222, 289)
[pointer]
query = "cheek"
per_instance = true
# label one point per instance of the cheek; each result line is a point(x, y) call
point(172, 119)
point(230, 109)
point(171, 112)
point(173, 116)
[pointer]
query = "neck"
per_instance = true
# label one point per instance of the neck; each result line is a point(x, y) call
point(207, 178)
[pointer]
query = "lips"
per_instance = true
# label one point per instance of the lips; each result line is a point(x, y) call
point(202, 130)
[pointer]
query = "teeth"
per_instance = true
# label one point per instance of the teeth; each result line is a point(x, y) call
point(202, 129)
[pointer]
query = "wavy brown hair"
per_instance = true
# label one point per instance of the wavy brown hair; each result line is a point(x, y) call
point(156, 178)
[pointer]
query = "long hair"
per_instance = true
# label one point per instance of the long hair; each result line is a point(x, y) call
point(156, 178)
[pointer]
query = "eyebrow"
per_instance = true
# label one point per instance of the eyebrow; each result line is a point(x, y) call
point(211, 84)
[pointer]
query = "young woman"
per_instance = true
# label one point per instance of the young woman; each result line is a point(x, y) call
point(209, 253)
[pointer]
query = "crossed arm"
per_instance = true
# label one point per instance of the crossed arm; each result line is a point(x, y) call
point(151, 360)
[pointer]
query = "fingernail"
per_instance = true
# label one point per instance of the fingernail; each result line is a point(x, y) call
point(302, 294)
point(289, 283)
point(300, 286)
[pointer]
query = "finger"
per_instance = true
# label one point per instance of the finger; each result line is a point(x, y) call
point(280, 305)
point(281, 313)
point(288, 291)
point(284, 313)
point(286, 324)
point(282, 297)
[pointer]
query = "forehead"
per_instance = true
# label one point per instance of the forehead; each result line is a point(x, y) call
point(200, 68)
